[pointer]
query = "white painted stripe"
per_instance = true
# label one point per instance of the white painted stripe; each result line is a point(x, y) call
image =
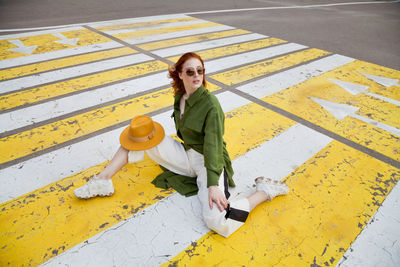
point(386, 99)
point(156, 26)
point(172, 35)
point(249, 57)
point(29, 34)
point(159, 236)
point(13, 62)
point(71, 72)
point(66, 161)
point(388, 128)
point(207, 44)
point(378, 243)
point(48, 110)
point(277, 82)
point(134, 20)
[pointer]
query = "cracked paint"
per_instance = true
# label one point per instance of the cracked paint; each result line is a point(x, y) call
point(85, 217)
point(297, 100)
point(47, 42)
point(252, 71)
point(316, 224)
point(191, 39)
point(56, 89)
point(140, 33)
point(234, 49)
point(40, 67)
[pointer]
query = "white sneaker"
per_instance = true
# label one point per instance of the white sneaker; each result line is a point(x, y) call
point(271, 187)
point(95, 187)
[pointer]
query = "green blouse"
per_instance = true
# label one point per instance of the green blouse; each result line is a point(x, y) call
point(201, 128)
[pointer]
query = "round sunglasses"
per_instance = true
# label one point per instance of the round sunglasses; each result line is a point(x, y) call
point(191, 71)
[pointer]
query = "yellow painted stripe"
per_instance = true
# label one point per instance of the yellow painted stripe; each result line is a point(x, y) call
point(135, 34)
point(234, 49)
point(333, 196)
point(192, 39)
point(56, 89)
point(248, 72)
point(46, 136)
point(297, 100)
point(153, 23)
point(63, 62)
point(47, 42)
point(66, 221)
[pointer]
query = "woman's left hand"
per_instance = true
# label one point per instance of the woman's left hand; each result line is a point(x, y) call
point(215, 195)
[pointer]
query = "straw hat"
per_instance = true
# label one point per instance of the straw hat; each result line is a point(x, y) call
point(143, 133)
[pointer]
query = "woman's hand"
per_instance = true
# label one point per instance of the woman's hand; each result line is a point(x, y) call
point(215, 195)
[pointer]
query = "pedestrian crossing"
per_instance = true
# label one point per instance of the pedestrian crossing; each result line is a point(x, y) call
point(326, 124)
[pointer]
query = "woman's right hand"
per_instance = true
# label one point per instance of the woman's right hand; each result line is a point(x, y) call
point(215, 195)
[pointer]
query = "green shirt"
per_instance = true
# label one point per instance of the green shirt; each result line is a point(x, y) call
point(202, 128)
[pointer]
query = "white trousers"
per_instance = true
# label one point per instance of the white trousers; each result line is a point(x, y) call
point(172, 155)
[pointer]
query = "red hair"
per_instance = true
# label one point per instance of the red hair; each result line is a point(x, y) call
point(177, 83)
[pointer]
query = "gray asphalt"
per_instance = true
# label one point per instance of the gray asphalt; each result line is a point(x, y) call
point(369, 31)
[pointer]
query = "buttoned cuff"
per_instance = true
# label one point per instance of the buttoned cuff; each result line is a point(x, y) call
point(212, 178)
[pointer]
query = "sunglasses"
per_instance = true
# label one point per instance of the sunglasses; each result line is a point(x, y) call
point(191, 71)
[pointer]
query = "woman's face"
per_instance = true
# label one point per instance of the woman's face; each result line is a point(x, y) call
point(191, 83)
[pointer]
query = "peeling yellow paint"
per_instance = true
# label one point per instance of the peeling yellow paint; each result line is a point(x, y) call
point(333, 196)
point(142, 33)
point(192, 39)
point(77, 84)
point(252, 71)
point(297, 100)
point(234, 49)
point(63, 62)
point(47, 42)
point(54, 212)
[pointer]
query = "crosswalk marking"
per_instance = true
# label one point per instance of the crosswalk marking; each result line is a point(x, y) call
point(187, 22)
point(46, 136)
point(33, 95)
point(333, 196)
point(135, 34)
point(53, 200)
point(166, 52)
point(277, 82)
point(297, 99)
point(71, 72)
point(145, 24)
point(52, 55)
point(47, 42)
point(60, 124)
point(187, 217)
point(63, 63)
point(234, 49)
point(59, 107)
point(252, 71)
point(192, 39)
point(182, 33)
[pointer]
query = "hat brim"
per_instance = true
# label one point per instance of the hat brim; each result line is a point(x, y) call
point(128, 144)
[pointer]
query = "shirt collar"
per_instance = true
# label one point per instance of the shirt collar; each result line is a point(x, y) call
point(196, 96)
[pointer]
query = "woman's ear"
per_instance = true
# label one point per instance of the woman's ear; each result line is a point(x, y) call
point(180, 75)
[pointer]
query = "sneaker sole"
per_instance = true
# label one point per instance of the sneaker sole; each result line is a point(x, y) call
point(98, 195)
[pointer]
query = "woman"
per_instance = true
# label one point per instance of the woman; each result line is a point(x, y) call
point(199, 121)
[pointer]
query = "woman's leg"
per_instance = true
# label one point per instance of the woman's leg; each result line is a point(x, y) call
point(117, 162)
point(101, 184)
point(257, 198)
